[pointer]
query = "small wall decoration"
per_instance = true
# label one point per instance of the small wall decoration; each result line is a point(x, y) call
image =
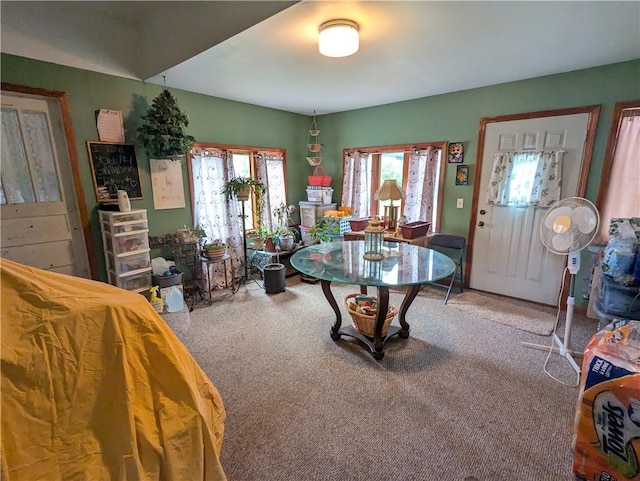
point(166, 183)
point(462, 175)
point(456, 152)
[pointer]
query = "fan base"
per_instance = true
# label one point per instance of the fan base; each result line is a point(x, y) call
point(561, 349)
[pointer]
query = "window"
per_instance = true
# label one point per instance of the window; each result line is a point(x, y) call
point(619, 196)
point(418, 169)
point(210, 166)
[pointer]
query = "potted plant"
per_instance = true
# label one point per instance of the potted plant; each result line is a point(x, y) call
point(325, 230)
point(240, 188)
point(217, 248)
point(189, 234)
point(163, 132)
point(283, 231)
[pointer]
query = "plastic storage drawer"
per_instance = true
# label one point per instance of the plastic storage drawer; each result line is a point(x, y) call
point(312, 212)
point(122, 244)
point(137, 282)
point(128, 263)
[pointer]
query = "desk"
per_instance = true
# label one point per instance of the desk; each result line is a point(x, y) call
point(388, 236)
point(404, 265)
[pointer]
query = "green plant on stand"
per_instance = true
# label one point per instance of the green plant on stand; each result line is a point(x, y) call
point(283, 231)
point(241, 187)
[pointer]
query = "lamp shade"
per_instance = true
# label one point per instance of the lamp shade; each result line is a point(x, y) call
point(338, 38)
point(390, 190)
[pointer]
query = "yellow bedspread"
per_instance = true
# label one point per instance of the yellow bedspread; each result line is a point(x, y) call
point(95, 386)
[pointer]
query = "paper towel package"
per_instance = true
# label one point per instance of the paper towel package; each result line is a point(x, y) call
point(606, 442)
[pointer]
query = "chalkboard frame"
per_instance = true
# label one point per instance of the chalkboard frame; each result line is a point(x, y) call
point(134, 191)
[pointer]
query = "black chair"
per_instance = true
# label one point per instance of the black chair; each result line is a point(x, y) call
point(453, 247)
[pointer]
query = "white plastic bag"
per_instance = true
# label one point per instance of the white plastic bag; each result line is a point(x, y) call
point(159, 266)
point(620, 252)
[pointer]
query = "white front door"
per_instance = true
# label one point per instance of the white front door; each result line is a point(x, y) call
point(39, 219)
point(508, 255)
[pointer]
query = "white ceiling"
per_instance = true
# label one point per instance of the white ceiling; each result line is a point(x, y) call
point(265, 52)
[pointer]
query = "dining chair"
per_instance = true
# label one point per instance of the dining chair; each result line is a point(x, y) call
point(453, 247)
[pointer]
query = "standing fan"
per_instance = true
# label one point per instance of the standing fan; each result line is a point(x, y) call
point(567, 228)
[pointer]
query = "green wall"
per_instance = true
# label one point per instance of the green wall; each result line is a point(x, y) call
point(450, 117)
point(456, 117)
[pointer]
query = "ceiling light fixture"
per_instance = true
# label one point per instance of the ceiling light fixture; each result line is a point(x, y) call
point(338, 38)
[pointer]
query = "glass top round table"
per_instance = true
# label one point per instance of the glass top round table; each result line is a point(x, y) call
point(403, 265)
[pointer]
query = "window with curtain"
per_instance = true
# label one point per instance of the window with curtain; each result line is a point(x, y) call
point(619, 194)
point(418, 169)
point(527, 178)
point(210, 167)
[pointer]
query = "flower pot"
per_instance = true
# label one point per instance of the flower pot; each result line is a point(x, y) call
point(274, 278)
point(286, 242)
point(243, 193)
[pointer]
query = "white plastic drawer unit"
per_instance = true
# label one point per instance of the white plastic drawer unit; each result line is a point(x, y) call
point(123, 222)
point(136, 282)
point(311, 212)
point(126, 263)
point(126, 242)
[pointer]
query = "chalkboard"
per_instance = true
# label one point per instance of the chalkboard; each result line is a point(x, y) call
point(114, 167)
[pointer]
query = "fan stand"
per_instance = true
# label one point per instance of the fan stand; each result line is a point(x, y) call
point(563, 345)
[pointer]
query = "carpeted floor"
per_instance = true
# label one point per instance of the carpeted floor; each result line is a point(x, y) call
point(460, 399)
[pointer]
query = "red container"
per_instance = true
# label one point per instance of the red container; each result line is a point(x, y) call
point(415, 229)
point(359, 224)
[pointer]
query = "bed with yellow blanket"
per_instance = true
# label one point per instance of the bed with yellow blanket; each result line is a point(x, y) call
point(96, 386)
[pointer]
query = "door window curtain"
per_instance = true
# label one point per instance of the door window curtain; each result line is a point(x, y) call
point(531, 178)
point(211, 168)
point(422, 183)
point(356, 183)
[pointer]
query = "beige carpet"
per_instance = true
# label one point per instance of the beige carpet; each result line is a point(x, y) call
point(459, 399)
point(488, 307)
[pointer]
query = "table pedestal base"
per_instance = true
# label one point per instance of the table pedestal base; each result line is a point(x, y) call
point(375, 343)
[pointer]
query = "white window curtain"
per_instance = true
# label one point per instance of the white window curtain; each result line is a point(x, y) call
point(211, 168)
point(356, 183)
point(422, 183)
point(623, 191)
point(531, 178)
point(270, 171)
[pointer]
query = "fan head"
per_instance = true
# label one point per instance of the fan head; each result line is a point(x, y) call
point(569, 226)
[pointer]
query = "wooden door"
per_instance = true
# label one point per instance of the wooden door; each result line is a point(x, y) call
point(507, 255)
point(40, 220)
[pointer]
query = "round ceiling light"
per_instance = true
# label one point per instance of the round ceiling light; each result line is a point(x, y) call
point(338, 38)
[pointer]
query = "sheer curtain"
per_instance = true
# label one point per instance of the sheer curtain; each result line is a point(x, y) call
point(270, 171)
point(356, 183)
point(531, 178)
point(623, 193)
point(422, 182)
point(211, 168)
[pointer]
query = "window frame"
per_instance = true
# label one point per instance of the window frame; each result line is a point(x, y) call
point(406, 148)
point(252, 151)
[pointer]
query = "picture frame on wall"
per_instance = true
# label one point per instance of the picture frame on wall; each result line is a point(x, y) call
point(455, 154)
point(462, 175)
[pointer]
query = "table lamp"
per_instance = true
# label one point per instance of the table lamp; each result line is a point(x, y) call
point(390, 190)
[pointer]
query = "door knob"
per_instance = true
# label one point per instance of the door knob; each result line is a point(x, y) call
point(483, 212)
point(481, 223)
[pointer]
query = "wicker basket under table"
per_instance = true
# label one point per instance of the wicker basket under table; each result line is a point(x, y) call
point(364, 323)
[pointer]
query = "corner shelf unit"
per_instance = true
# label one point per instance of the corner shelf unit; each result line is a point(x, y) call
point(125, 237)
